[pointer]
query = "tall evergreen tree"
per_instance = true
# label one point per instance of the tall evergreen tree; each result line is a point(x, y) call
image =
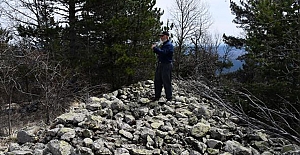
point(120, 33)
point(70, 11)
point(109, 40)
point(272, 41)
point(272, 60)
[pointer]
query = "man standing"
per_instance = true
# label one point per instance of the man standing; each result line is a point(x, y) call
point(164, 67)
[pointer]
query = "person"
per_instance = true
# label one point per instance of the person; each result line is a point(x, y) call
point(164, 67)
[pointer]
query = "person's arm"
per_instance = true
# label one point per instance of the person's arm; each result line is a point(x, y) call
point(167, 49)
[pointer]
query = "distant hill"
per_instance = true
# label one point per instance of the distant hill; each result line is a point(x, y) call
point(235, 53)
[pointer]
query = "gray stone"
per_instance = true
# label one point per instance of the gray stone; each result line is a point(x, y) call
point(126, 134)
point(88, 142)
point(20, 152)
point(14, 146)
point(117, 105)
point(93, 107)
point(235, 147)
point(66, 134)
point(60, 147)
point(121, 151)
point(290, 148)
point(215, 144)
point(200, 146)
point(71, 118)
point(129, 119)
point(24, 137)
point(85, 151)
point(86, 133)
point(125, 122)
point(200, 130)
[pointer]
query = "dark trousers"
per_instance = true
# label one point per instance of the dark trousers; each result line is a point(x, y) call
point(163, 77)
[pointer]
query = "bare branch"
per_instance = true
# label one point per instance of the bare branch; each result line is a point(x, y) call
point(275, 122)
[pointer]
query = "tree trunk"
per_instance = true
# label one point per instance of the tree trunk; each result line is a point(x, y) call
point(72, 32)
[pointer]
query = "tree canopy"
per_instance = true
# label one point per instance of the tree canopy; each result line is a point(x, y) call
point(271, 69)
point(272, 44)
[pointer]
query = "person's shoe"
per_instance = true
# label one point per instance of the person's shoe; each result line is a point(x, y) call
point(169, 103)
point(169, 99)
point(154, 99)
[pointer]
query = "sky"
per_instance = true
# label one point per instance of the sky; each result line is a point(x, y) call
point(219, 10)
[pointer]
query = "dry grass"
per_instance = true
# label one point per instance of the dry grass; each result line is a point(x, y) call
point(21, 119)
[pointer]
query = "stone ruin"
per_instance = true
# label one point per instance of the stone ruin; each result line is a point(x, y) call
point(126, 122)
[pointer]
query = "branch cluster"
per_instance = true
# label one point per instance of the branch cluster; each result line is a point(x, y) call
point(283, 122)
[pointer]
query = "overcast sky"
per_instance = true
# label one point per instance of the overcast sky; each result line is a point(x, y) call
point(220, 11)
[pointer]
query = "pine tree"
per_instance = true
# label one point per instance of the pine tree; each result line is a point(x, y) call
point(271, 70)
point(119, 36)
point(272, 29)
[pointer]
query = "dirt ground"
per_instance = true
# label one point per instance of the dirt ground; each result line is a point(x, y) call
point(20, 118)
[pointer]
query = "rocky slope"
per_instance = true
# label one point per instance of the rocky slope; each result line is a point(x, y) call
point(126, 122)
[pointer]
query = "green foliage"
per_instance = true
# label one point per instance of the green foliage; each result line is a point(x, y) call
point(116, 37)
point(271, 69)
point(224, 64)
point(97, 43)
point(108, 41)
point(233, 41)
point(272, 31)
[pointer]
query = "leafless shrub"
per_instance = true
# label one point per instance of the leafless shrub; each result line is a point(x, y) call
point(283, 122)
point(28, 76)
point(8, 70)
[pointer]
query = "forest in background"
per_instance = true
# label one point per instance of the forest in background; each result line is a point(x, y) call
point(98, 46)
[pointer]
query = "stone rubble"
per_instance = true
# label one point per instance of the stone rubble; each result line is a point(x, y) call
point(126, 122)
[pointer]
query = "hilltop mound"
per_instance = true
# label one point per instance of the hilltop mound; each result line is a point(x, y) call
point(126, 122)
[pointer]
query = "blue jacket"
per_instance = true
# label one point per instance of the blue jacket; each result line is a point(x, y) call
point(165, 52)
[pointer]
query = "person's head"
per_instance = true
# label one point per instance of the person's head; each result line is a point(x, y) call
point(164, 36)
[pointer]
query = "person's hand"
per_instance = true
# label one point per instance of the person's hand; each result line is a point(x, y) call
point(154, 45)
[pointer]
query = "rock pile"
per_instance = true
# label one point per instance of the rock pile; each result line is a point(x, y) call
point(126, 122)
